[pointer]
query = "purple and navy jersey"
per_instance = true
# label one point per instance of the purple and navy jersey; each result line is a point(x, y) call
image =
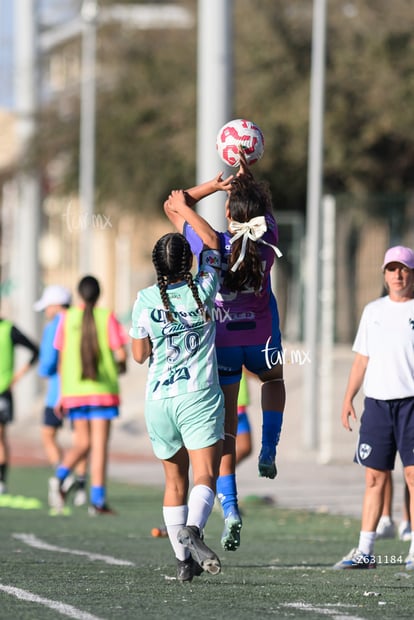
point(242, 317)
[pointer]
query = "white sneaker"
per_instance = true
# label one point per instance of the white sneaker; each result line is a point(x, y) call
point(80, 498)
point(404, 531)
point(386, 528)
point(68, 484)
point(55, 496)
point(3, 488)
point(355, 559)
point(409, 561)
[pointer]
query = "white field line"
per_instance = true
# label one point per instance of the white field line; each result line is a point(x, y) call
point(33, 541)
point(62, 608)
point(329, 610)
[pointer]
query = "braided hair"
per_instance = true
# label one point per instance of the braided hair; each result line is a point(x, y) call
point(248, 199)
point(172, 259)
point(89, 291)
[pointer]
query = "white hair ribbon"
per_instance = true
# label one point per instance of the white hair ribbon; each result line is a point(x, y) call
point(254, 230)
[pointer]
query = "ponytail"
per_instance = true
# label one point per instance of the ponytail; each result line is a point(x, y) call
point(89, 291)
point(248, 199)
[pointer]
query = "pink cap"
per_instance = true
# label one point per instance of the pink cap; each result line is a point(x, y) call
point(399, 254)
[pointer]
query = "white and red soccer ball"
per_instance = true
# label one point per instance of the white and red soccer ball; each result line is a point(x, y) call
point(240, 132)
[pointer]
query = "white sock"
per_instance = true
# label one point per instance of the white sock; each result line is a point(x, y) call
point(366, 542)
point(200, 505)
point(175, 517)
point(385, 520)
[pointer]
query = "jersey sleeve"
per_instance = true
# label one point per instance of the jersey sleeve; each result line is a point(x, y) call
point(193, 239)
point(116, 333)
point(360, 344)
point(139, 325)
point(272, 233)
point(58, 340)
point(49, 357)
point(18, 338)
point(207, 282)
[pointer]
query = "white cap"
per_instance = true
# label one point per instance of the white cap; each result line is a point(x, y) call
point(53, 296)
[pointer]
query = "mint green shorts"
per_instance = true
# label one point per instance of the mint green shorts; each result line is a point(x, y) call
point(194, 420)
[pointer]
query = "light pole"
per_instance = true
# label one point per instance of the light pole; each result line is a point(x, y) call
point(89, 13)
point(313, 217)
point(25, 263)
point(214, 95)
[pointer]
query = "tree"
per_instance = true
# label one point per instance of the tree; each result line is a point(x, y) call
point(147, 103)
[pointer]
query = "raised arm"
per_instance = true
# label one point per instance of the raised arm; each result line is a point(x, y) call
point(192, 196)
point(178, 212)
point(198, 192)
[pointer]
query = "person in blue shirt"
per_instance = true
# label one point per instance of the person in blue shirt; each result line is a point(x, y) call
point(55, 300)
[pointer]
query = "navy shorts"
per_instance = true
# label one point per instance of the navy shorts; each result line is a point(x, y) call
point(6, 407)
point(231, 360)
point(387, 426)
point(257, 358)
point(51, 419)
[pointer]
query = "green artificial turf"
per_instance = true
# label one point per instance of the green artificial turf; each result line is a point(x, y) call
point(283, 568)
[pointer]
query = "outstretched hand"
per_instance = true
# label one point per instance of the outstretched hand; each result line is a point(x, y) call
point(222, 184)
point(175, 200)
point(244, 166)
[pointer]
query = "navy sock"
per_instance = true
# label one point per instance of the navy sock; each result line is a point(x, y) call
point(3, 472)
point(81, 482)
point(271, 428)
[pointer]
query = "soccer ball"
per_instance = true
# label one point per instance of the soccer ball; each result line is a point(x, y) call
point(240, 132)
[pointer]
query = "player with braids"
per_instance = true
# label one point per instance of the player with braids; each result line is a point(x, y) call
point(246, 313)
point(91, 345)
point(167, 271)
point(184, 405)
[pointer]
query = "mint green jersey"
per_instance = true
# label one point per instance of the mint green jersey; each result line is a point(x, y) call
point(183, 355)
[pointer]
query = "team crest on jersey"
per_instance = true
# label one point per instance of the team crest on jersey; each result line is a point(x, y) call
point(364, 451)
point(411, 322)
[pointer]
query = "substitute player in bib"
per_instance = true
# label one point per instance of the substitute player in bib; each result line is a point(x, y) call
point(173, 327)
point(54, 301)
point(246, 314)
point(91, 345)
point(384, 365)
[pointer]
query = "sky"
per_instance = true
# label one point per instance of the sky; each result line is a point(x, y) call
point(6, 54)
point(50, 12)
